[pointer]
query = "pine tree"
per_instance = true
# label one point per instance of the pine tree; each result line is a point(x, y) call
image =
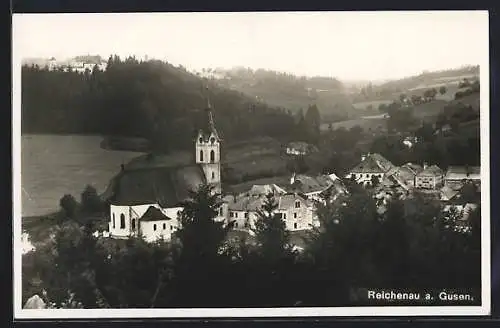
point(202, 267)
point(270, 232)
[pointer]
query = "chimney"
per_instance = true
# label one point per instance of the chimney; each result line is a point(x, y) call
point(292, 179)
point(122, 167)
point(425, 165)
point(363, 157)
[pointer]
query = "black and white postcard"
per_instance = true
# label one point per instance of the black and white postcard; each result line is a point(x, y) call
point(267, 164)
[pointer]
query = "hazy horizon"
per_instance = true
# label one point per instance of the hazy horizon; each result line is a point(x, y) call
point(350, 46)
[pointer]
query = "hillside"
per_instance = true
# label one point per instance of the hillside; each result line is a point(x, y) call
point(419, 83)
point(153, 100)
point(285, 90)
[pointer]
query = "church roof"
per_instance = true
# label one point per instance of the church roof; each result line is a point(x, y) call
point(166, 186)
point(154, 214)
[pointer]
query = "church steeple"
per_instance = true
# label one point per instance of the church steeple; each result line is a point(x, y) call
point(207, 147)
point(208, 127)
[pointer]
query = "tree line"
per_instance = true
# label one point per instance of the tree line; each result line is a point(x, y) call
point(412, 245)
point(149, 99)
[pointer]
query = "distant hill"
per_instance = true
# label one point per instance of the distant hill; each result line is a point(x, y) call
point(285, 90)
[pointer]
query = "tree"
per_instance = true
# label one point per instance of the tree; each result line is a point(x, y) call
point(90, 200)
point(69, 206)
point(270, 232)
point(202, 266)
point(442, 90)
point(313, 122)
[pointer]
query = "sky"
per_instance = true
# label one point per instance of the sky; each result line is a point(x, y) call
point(347, 45)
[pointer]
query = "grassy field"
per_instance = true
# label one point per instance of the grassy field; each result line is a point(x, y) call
point(52, 166)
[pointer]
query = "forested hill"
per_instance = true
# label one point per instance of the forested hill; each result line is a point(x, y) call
point(153, 99)
point(284, 89)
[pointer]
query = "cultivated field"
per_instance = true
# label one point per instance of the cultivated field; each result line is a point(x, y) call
point(374, 103)
point(56, 165)
point(373, 122)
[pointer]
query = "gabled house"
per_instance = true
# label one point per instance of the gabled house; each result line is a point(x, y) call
point(402, 176)
point(371, 165)
point(457, 176)
point(300, 148)
point(294, 209)
point(431, 177)
point(316, 188)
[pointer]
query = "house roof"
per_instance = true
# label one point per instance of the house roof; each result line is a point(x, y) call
point(154, 214)
point(288, 201)
point(373, 163)
point(307, 184)
point(447, 193)
point(432, 170)
point(415, 168)
point(262, 190)
point(167, 187)
point(463, 172)
point(254, 203)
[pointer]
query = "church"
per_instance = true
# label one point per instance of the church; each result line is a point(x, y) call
point(146, 202)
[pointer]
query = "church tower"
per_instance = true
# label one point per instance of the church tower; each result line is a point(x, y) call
point(207, 150)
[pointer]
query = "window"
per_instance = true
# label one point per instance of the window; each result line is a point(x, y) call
point(246, 225)
point(221, 211)
point(164, 226)
point(236, 224)
point(231, 214)
point(246, 215)
point(133, 224)
point(212, 140)
point(280, 215)
point(122, 221)
point(236, 214)
point(295, 215)
point(284, 216)
point(171, 227)
point(113, 220)
point(295, 225)
point(213, 175)
point(212, 156)
point(201, 140)
point(154, 227)
point(201, 155)
point(297, 204)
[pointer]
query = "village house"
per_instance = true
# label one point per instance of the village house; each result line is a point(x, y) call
point(317, 188)
point(300, 148)
point(371, 165)
point(402, 176)
point(431, 177)
point(457, 176)
point(294, 209)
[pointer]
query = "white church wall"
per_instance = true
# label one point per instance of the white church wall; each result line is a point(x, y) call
point(155, 230)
